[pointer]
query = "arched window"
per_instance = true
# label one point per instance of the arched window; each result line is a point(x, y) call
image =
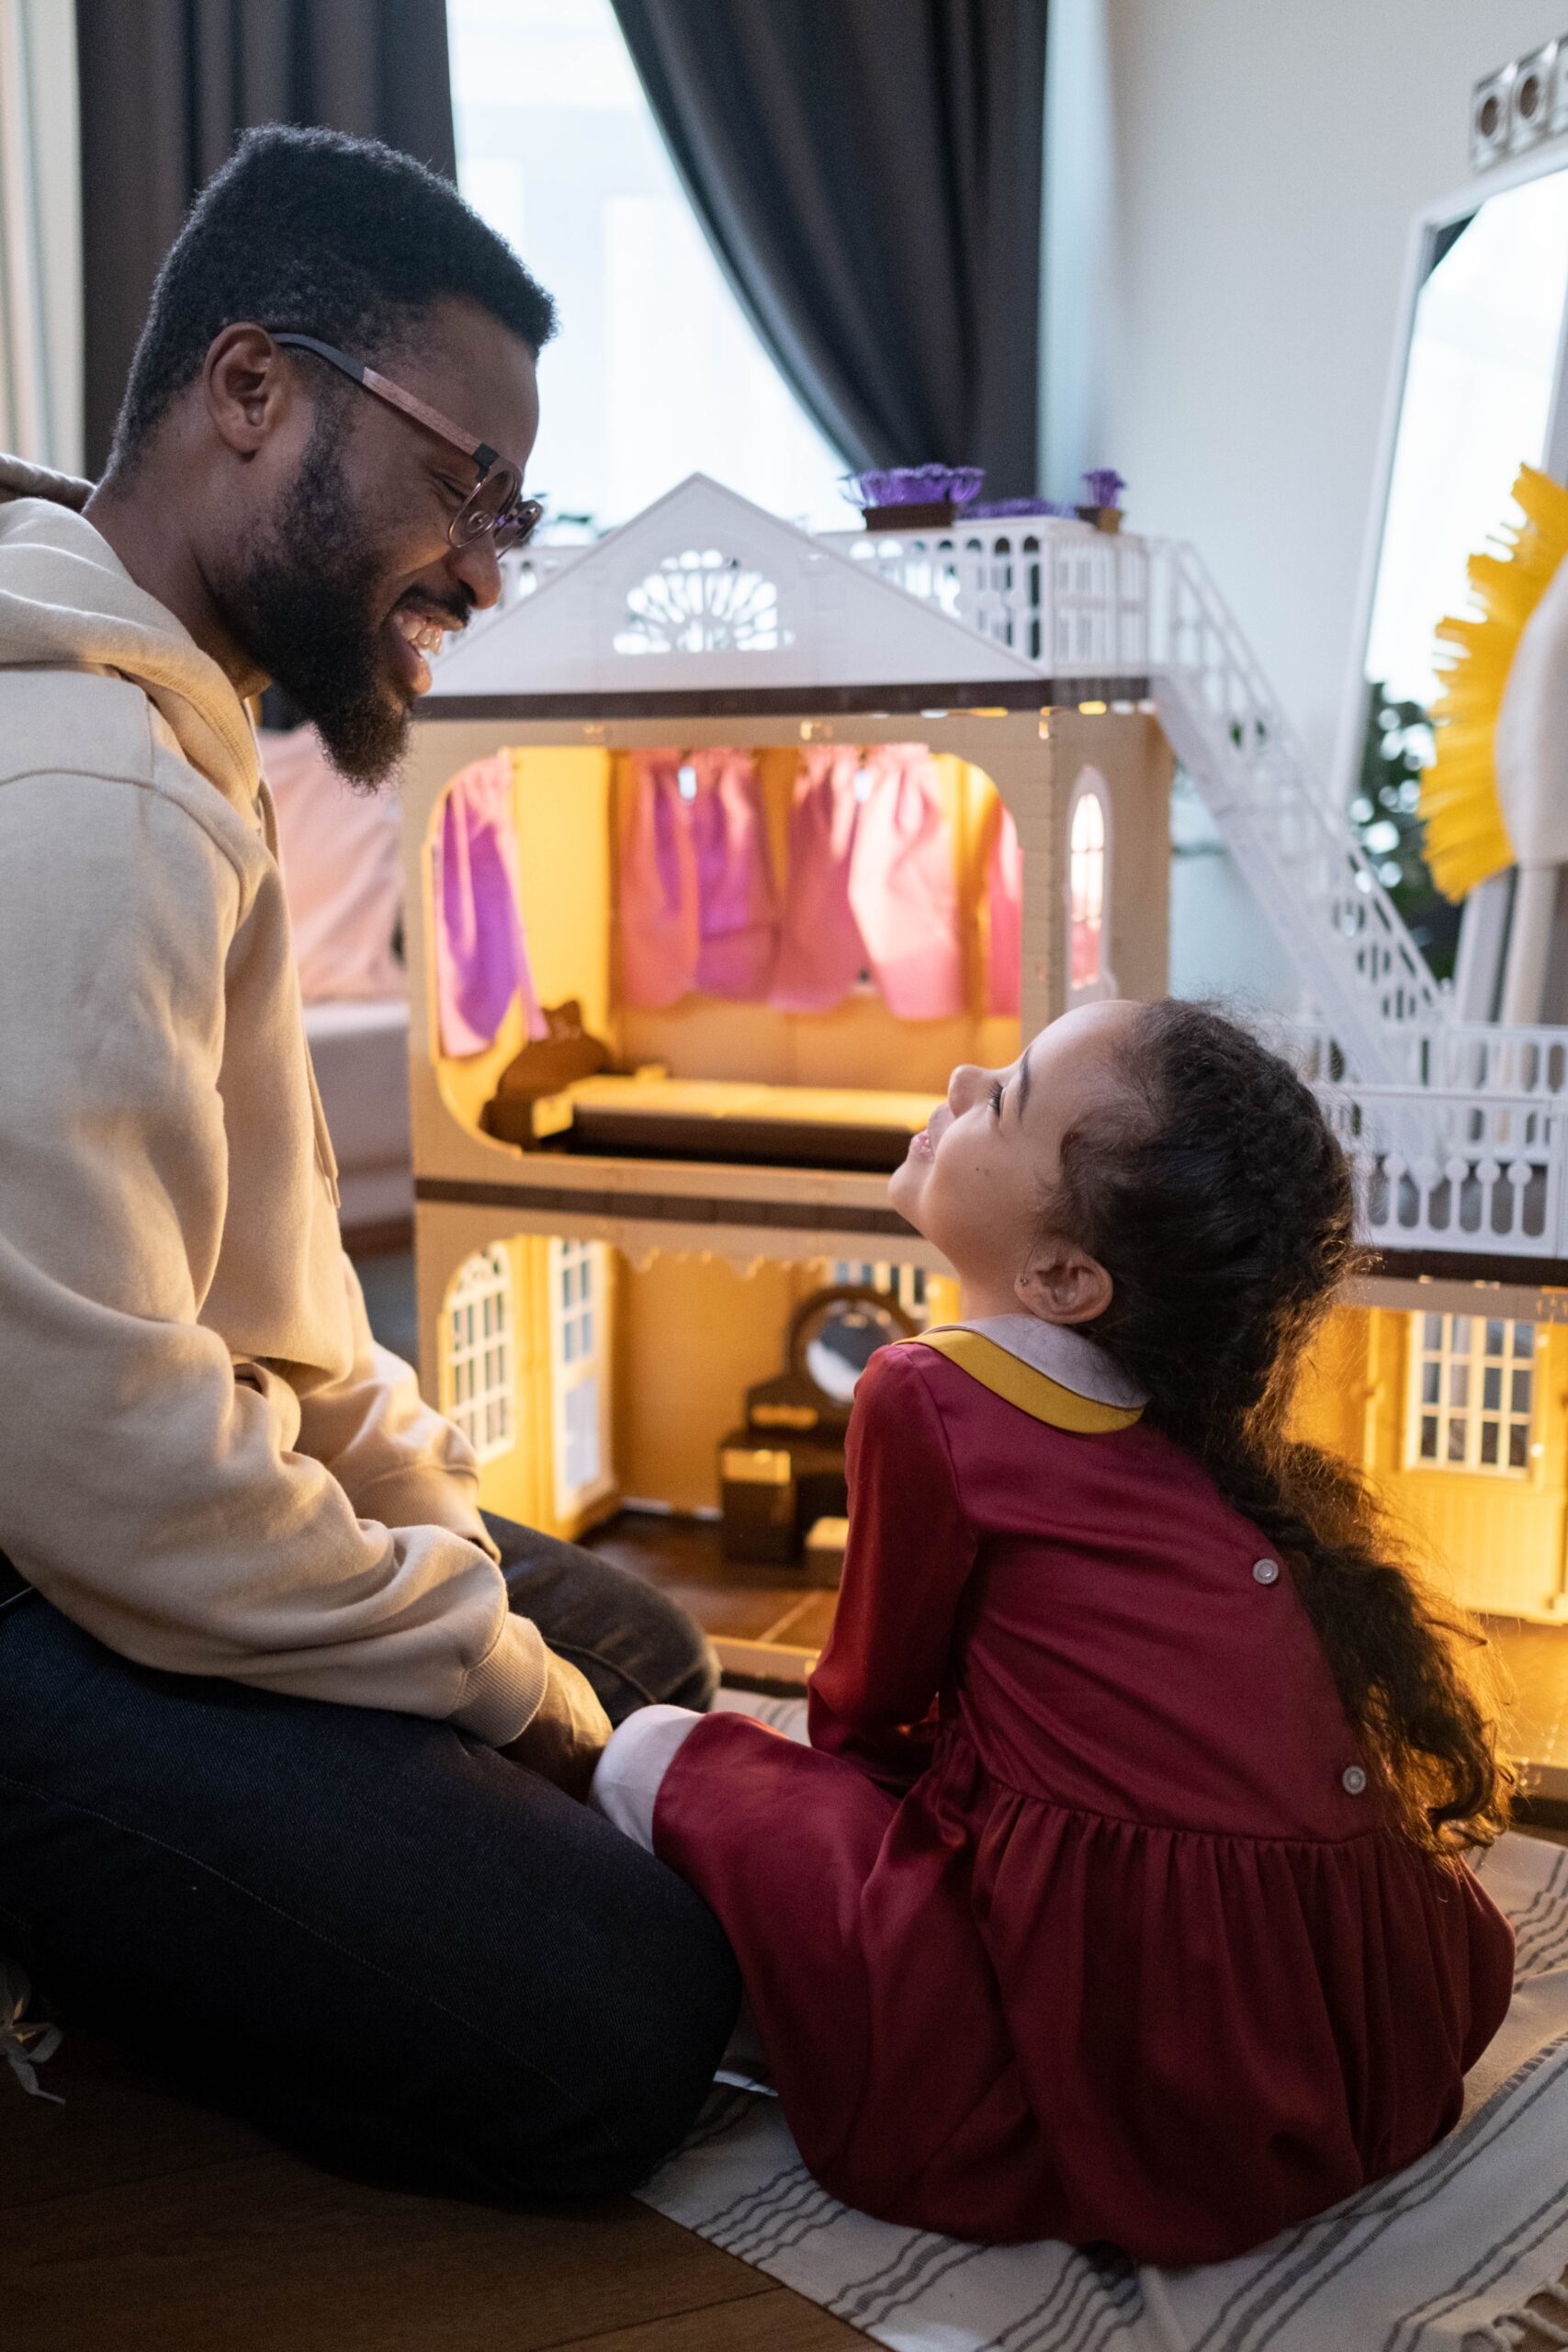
point(1089, 891)
point(479, 1371)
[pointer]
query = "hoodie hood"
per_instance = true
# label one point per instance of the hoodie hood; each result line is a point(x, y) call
point(68, 603)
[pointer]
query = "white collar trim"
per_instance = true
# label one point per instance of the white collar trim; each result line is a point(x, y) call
point(1063, 1354)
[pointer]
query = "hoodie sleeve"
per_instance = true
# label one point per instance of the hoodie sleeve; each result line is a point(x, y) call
point(154, 1492)
point(395, 1458)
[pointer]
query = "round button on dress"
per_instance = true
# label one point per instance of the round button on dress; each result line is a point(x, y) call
point(1353, 1780)
point(1265, 1571)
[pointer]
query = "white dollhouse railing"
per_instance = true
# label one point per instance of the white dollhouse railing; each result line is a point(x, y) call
point(1455, 1172)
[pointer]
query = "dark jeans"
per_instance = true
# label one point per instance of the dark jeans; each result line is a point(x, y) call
point(397, 1951)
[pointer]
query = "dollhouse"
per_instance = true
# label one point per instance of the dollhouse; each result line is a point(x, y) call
point(594, 1306)
point(606, 1274)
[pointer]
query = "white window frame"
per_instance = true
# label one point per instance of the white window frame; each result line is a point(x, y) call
point(479, 1354)
point(1456, 1354)
point(1091, 786)
point(579, 1369)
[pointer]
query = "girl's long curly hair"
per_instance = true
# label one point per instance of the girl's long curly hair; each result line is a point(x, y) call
point(1215, 1196)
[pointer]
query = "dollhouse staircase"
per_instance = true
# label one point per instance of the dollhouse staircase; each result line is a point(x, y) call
point(1368, 978)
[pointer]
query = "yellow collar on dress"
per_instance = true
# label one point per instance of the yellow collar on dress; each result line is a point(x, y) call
point(995, 1360)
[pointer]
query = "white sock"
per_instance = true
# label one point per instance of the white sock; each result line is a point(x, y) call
point(629, 1773)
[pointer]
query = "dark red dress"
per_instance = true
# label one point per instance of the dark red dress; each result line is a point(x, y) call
point(1070, 1922)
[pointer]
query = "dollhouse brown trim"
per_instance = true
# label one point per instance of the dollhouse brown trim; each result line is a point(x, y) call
point(821, 702)
point(1467, 1266)
point(662, 1208)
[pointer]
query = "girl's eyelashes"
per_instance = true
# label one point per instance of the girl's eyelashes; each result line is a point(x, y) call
point(997, 1096)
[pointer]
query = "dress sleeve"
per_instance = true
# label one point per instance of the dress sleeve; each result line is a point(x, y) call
point(873, 1694)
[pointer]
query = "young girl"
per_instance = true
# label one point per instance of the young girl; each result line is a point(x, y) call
point(1120, 1893)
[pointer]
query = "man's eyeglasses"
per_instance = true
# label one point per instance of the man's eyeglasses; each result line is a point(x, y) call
point(494, 503)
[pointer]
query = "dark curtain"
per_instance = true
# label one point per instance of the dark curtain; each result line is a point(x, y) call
point(165, 88)
point(869, 176)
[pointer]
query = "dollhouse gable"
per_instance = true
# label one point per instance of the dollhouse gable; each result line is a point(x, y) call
point(705, 591)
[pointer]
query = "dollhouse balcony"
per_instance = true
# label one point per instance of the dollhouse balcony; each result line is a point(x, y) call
point(1464, 1159)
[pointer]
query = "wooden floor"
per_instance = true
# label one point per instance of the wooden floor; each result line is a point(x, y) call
point(132, 2220)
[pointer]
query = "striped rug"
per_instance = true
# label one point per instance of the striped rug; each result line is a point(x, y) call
point(1446, 2255)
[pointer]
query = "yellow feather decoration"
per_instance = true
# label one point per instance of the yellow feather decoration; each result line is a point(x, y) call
point(1465, 835)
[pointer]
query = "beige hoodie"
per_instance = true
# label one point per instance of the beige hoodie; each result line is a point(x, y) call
point(205, 1459)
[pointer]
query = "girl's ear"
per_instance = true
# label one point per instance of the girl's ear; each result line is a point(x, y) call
point(1062, 1284)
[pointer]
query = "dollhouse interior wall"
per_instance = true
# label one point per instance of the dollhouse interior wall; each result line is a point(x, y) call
point(1460, 1422)
point(570, 805)
point(680, 1335)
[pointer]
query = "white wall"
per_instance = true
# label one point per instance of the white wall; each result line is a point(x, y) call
point(1250, 234)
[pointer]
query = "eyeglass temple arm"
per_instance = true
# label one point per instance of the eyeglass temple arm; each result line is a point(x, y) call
point(483, 456)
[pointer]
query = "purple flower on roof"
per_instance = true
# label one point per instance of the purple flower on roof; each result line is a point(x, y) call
point(997, 509)
point(1104, 486)
point(914, 486)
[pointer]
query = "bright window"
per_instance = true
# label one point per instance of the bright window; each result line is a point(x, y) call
point(1471, 1394)
point(656, 372)
point(480, 1353)
point(578, 1276)
point(1086, 890)
point(905, 1284)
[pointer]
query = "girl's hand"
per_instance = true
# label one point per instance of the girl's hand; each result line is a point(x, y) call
point(567, 1733)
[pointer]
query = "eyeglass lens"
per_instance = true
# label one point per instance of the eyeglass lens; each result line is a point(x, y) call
point(495, 506)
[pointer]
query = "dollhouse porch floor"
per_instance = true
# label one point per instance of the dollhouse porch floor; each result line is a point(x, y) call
point(766, 1623)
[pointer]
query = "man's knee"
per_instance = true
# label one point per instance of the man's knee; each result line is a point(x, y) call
point(610, 2113)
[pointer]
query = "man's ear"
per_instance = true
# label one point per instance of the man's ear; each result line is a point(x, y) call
point(1062, 1284)
point(249, 387)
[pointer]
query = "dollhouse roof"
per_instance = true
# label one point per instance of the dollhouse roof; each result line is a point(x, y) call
point(703, 593)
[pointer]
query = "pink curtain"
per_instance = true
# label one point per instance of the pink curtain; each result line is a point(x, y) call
point(698, 904)
point(659, 931)
point(1004, 893)
point(738, 908)
point(821, 952)
point(904, 888)
point(481, 954)
point(871, 885)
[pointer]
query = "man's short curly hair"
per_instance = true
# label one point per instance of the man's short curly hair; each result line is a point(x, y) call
point(312, 233)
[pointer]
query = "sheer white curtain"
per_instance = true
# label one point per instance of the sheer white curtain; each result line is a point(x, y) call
point(657, 372)
point(40, 280)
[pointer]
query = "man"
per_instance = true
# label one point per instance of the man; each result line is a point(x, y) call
point(290, 1736)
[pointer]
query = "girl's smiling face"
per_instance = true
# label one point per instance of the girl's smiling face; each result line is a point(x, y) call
point(976, 1180)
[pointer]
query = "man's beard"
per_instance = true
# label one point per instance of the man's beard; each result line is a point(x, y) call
point(303, 608)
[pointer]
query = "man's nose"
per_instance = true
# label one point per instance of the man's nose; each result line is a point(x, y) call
point(478, 566)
